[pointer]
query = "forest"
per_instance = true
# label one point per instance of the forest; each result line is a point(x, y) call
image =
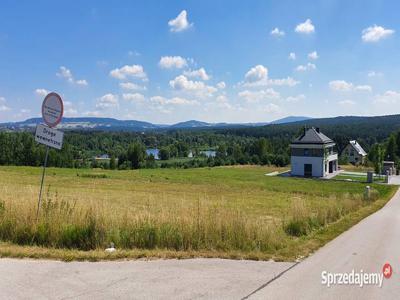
point(184, 148)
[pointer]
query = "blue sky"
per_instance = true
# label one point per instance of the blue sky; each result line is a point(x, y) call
point(216, 61)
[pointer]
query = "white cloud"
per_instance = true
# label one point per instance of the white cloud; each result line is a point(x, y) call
point(260, 95)
point(180, 23)
point(133, 97)
point(374, 74)
point(129, 71)
point(258, 76)
point(256, 73)
point(307, 27)
point(276, 32)
point(221, 85)
point(107, 101)
point(200, 73)
point(289, 81)
point(172, 101)
point(81, 82)
point(346, 102)
point(295, 99)
point(340, 85)
point(313, 55)
point(307, 67)
point(366, 88)
point(132, 86)
point(344, 86)
point(375, 33)
point(221, 98)
point(271, 108)
point(292, 56)
point(3, 106)
point(183, 84)
point(67, 74)
point(169, 62)
point(71, 112)
point(389, 97)
point(41, 92)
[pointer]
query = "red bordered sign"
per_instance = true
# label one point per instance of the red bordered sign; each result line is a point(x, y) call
point(52, 109)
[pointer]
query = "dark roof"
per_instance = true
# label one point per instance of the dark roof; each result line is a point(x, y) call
point(312, 136)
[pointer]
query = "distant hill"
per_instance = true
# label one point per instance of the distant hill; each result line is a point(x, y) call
point(191, 124)
point(290, 119)
point(110, 124)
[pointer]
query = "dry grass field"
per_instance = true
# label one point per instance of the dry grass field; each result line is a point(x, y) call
point(235, 212)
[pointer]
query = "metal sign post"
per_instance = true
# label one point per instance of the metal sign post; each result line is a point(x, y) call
point(52, 112)
point(41, 184)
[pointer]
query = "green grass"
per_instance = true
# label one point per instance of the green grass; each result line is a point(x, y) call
point(234, 212)
point(359, 178)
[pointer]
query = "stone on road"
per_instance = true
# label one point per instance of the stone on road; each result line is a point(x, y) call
point(367, 246)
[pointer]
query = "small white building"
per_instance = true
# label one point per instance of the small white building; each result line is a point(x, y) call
point(354, 153)
point(312, 154)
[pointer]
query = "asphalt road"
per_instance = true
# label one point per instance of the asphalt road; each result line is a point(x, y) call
point(367, 247)
point(157, 279)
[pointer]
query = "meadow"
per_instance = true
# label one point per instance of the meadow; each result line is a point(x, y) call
point(234, 212)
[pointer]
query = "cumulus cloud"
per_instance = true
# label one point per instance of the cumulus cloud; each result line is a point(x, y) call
point(277, 32)
point(172, 101)
point(292, 56)
point(256, 73)
point(344, 86)
point(389, 97)
point(289, 81)
point(313, 55)
point(295, 99)
point(41, 92)
point(375, 33)
point(133, 97)
point(107, 101)
point(182, 83)
point(200, 73)
point(221, 85)
point(306, 28)
point(180, 23)
point(134, 71)
point(307, 67)
point(132, 86)
point(81, 82)
point(260, 95)
point(271, 108)
point(169, 62)
point(366, 88)
point(258, 76)
point(67, 75)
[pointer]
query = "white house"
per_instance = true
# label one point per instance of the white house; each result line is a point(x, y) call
point(354, 153)
point(312, 154)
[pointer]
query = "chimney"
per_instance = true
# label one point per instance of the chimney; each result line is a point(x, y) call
point(317, 129)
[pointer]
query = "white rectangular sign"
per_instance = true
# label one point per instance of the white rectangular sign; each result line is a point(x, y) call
point(49, 136)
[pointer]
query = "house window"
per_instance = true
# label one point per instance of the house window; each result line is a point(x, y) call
point(306, 152)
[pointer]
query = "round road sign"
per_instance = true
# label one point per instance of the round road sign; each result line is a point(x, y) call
point(52, 109)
